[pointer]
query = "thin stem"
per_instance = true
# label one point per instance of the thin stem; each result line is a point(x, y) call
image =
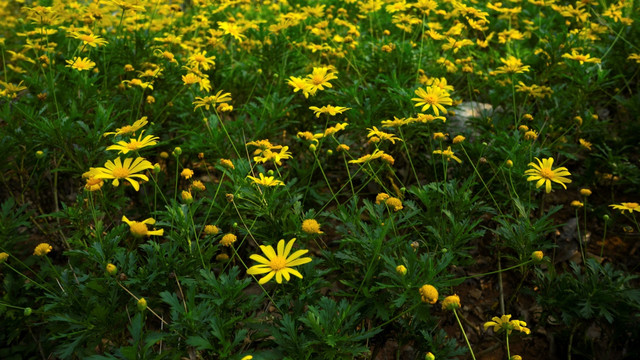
point(604, 238)
point(464, 334)
point(580, 237)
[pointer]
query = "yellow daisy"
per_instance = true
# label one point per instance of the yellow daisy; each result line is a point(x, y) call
point(129, 129)
point(627, 206)
point(134, 144)
point(278, 263)
point(118, 170)
point(433, 97)
point(266, 180)
point(139, 228)
point(80, 64)
point(543, 173)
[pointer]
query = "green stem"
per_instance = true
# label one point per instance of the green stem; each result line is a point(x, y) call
point(464, 334)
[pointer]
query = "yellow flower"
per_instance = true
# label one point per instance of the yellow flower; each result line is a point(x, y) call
point(433, 97)
point(366, 158)
point(88, 39)
point(300, 84)
point(118, 170)
point(401, 269)
point(585, 144)
point(448, 154)
point(544, 174)
point(199, 60)
point(537, 255)
point(187, 197)
point(42, 249)
point(198, 185)
point(129, 129)
point(394, 203)
point(577, 204)
point(329, 109)
point(585, 192)
point(80, 64)
point(186, 173)
point(138, 82)
point(208, 101)
point(278, 263)
point(276, 157)
point(228, 239)
point(134, 144)
point(311, 226)
point(381, 135)
point(139, 228)
point(381, 197)
point(451, 302)
point(142, 304)
point(111, 269)
point(627, 206)
point(582, 58)
point(266, 180)
point(512, 65)
point(505, 324)
point(530, 135)
point(211, 230)
point(227, 163)
point(3, 257)
point(429, 294)
point(320, 78)
point(458, 139)
point(232, 29)
point(439, 136)
point(342, 147)
point(93, 184)
point(127, 5)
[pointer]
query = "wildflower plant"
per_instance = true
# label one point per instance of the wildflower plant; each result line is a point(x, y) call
point(156, 153)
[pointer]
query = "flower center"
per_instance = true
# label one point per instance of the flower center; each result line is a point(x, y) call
point(138, 229)
point(134, 145)
point(430, 99)
point(318, 79)
point(547, 173)
point(200, 58)
point(87, 38)
point(125, 129)
point(120, 172)
point(278, 263)
point(94, 181)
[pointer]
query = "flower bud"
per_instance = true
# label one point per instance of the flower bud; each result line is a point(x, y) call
point(429, 294)
point(111, 269)
point(537, 256)
point(429, 356)
point(39, 154)
point(401, 269)
point(27, 311)
point(177, 151)
point(187, 197)
point(509, 164)
point(142, 304)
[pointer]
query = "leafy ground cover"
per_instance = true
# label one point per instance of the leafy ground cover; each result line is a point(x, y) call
point(319, 179)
